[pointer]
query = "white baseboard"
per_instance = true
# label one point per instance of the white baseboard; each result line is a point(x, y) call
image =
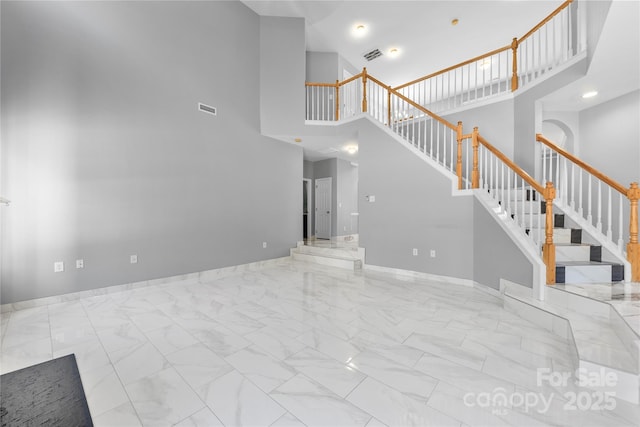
point(197, 277)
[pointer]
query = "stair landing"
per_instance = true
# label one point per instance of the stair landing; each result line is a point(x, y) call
point(341, 254)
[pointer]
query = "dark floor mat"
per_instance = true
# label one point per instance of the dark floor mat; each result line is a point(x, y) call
point(47, 394)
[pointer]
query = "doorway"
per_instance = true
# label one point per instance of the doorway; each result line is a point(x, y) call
point(323, 208)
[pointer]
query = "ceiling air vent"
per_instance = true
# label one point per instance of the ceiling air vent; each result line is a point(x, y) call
point(207, 109)
point(370, 56)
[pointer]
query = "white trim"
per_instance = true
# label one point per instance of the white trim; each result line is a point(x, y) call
point(522, 242)
point(197, 277)
point(420, 275)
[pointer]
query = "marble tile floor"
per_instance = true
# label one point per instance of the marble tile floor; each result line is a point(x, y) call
point(623, 297)
point(298, 344)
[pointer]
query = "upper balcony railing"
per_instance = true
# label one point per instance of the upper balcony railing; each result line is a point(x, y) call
point(553, 42)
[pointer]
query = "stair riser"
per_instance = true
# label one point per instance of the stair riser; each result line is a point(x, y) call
point(345, 253)
point(573, 253)
point(348, 264)
point(589, 274)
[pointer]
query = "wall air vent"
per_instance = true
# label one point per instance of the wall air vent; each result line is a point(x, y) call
point(370, 56)
point(207, 109)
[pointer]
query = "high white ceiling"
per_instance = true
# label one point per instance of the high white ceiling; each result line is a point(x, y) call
point(421, 30)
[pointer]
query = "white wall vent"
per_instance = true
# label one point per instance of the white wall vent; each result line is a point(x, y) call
point(370, 56)
point(207, 109)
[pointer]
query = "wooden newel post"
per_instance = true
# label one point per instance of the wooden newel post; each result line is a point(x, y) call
point(475, 173)
point(514, 77)
point(364, 90)
point(549, 249)
point(633, 247)
point(337, 100)
point(459, 157)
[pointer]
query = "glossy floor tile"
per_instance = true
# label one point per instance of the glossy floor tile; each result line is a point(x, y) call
point(297, 344)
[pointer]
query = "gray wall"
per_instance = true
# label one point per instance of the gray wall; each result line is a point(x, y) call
point(282, 70)
point(105, 153)
point(327, 67)
point(495, 123)
point(524, 113)
point(414, 208)
point(495, 255)
point(347, 198)
point(322, 67)
point(610, 137)
point(596, 14)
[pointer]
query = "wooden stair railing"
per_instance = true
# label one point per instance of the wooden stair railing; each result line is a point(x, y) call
point(571, 188)
point(486, 166)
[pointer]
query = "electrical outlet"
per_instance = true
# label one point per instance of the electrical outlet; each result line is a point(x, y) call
point(58, 267)
point(415, 251)
point(134, 259)
point(264, 245)
point(79, 263)
point(433, 253)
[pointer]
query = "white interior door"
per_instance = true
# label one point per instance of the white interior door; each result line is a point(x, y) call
point(323, 208)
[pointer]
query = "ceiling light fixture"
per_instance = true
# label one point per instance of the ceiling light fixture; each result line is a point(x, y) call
point(298, 140)
point(454, 21)
point(393, 52)
point(359, 30)
point(590, 94)
point(351, 149)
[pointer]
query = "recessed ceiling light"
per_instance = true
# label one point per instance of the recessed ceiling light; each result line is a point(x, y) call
point(590, 94)
point(298, 140)
point(393, 52)
point(454, 21)
point(359, 30)
point(351, 149)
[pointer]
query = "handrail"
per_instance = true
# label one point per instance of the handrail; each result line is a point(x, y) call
point(416, 105)
point(545, 20)
point(453, 67)
point(632, 194)
point(517, 169)
point(593, 171)
point(320, 84)
point(350, 79)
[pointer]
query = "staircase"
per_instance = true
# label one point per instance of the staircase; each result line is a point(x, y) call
point(578, 261)
point(579, 257)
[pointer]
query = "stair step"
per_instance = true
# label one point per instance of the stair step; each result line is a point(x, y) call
point(568, 252)
point(348, 252)
point(588, 272)
point(337, 260)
